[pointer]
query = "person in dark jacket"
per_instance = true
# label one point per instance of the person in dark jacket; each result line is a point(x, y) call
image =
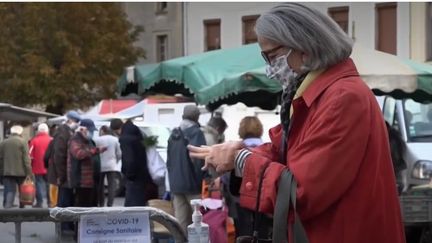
point(185, 175)
point(51, 173)
point(83, 165)
point(60, 152)
point(398, 149)
point(139, 185)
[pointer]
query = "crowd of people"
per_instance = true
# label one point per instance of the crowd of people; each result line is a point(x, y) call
point(71, 167)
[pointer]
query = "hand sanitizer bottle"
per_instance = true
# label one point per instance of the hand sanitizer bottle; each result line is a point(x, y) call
point(198, 232)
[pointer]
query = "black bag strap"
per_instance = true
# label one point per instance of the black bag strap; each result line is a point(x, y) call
point(286, 196)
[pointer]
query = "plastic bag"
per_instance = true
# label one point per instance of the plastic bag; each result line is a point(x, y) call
point(27, 192)
point(155, 164)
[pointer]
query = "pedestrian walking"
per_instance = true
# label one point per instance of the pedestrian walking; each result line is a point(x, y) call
point(14, 164)
point(333, 140)
point(38, 147)
point(109, 165)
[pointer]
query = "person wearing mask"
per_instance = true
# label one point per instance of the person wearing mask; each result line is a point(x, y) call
point(332, 138)
point(83, 165)
point(109, 165)
point(38, 147)
point(14, 164)
point(60, 155)
point(185, 174)
point(139, 185)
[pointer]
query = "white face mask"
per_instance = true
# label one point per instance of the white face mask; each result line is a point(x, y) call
point(280, 70)
point(73, 126)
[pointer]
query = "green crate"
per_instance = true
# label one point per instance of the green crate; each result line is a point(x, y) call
point(416, 208)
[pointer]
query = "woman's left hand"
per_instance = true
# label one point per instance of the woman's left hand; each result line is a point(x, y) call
point(220, 156)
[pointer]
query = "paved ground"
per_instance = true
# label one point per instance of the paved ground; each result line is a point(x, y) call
point(35, 232)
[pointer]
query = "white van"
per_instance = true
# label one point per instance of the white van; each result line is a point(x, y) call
point(414, 122)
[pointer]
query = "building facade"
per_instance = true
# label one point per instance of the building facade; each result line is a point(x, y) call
point(421, 31)
point(381, 26)
point(162, 38)
point(177, 29)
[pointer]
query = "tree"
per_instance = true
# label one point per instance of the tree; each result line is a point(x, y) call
point(63, 55)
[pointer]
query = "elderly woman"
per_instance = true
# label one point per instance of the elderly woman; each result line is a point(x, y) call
point(333, 140)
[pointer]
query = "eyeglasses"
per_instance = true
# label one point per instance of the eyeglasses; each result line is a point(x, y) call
point(265, 54)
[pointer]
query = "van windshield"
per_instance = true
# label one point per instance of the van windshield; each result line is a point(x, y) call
point(418, 120)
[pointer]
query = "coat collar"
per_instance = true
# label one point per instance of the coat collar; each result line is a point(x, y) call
point(343, 69)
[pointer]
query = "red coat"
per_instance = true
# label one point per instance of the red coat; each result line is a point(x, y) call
point(38, 145)
point(340, 156)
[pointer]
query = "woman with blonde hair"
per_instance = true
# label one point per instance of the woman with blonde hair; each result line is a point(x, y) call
point(250, 131)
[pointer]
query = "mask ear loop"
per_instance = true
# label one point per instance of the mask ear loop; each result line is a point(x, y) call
point(286, 58)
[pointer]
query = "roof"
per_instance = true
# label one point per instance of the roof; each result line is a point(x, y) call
point(114, 106)
point(16, 113)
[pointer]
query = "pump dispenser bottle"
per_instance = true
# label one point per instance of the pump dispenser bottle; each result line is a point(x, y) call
point(198, 232)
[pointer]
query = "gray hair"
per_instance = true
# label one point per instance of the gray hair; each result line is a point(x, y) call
point(307, 30)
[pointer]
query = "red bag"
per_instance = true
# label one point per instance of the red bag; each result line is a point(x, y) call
point(27, 192)
point(216, 219)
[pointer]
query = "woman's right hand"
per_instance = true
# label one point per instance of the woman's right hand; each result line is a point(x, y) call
point(219, 156)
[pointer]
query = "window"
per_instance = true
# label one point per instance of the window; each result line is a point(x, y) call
point(249, 35)
point(161, 47)
point(161, 7)
point(386, 27)
point(340, 16)
point(418, 118)
point(429, 32)
point(212, 34)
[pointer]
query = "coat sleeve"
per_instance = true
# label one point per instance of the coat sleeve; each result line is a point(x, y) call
point(26, 159)
point(60, 157)
point(325, 162)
